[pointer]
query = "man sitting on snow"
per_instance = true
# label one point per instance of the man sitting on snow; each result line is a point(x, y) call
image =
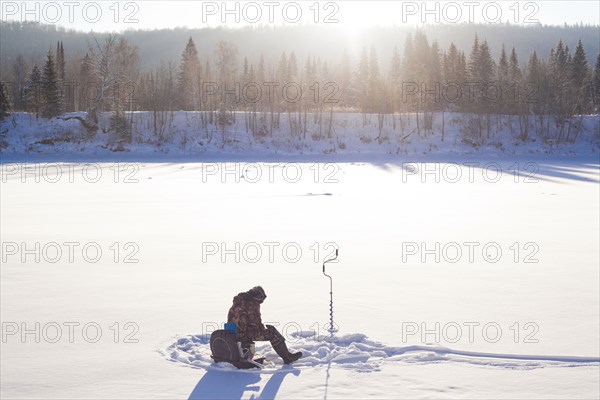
point(245, 313)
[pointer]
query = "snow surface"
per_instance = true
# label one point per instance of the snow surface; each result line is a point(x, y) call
point(357, 352)
point(176, 293)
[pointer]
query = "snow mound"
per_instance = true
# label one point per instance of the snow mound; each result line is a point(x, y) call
point(357, 352)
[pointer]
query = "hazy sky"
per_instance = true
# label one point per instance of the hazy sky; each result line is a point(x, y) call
point(352, 15)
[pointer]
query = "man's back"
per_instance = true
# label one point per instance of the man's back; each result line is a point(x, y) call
point(245, 313)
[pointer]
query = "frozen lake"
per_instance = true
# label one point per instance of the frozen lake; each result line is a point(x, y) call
point(105, 265)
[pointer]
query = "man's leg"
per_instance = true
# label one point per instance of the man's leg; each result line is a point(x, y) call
point(278, 342)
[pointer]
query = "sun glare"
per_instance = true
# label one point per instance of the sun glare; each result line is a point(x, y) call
point(355, 16)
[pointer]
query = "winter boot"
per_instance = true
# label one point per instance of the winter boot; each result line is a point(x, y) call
point(278, 343)
point(283, 352)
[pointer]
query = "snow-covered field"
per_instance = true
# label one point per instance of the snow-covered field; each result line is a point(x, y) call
point(458, 276)
point(184, 134)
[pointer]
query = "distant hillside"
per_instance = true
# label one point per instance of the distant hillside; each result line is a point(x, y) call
point(33, 40)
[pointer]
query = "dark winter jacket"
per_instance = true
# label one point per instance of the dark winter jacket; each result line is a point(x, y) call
point(245, 313)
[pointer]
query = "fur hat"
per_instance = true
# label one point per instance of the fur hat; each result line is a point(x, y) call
point(258, 293)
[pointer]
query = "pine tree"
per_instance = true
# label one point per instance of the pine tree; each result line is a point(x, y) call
point(533, 68)
point(416, 69)
point(481, 69)
point(421, 62)
point(4, 103)
point(580, 80)
point(451, 65)
point(373, 64)
point(502, 65)
point(344, 80)
point(51, 94)
point(395, 78)
point(558, 64)
point(60, 72)
point(245, 70)
point(537, 94)
point(20, 69)
point(282, 79)
point(435, 76)
point(514, 73)
point(579, 68)
point(473, 65)
point(245, 80)
point(292, 71)
point(515, 85)
point(227, 64)
point(260, 72)
point(486, 66)
point(462, 73)
point(396, 65)
point(260, 80)
point(293, 106)
point(408, 60)
point(503, 80)
point(461, 78)
point(435, 66)
point(32, 94)
point(60, 61)
point(310, 77)
point(422, 57)
point(282, 69)
point(453, 77)
point(485, 99)
point(125, 71)
point(188, 77)
point(596, 84)
point(362, 82)
point(324, 70)
point(376, 98)
point(86, 81)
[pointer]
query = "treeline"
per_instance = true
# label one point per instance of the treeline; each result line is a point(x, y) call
point(419, 82)
point(32, 40)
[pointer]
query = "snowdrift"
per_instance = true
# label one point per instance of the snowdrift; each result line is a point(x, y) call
point(359, 353)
